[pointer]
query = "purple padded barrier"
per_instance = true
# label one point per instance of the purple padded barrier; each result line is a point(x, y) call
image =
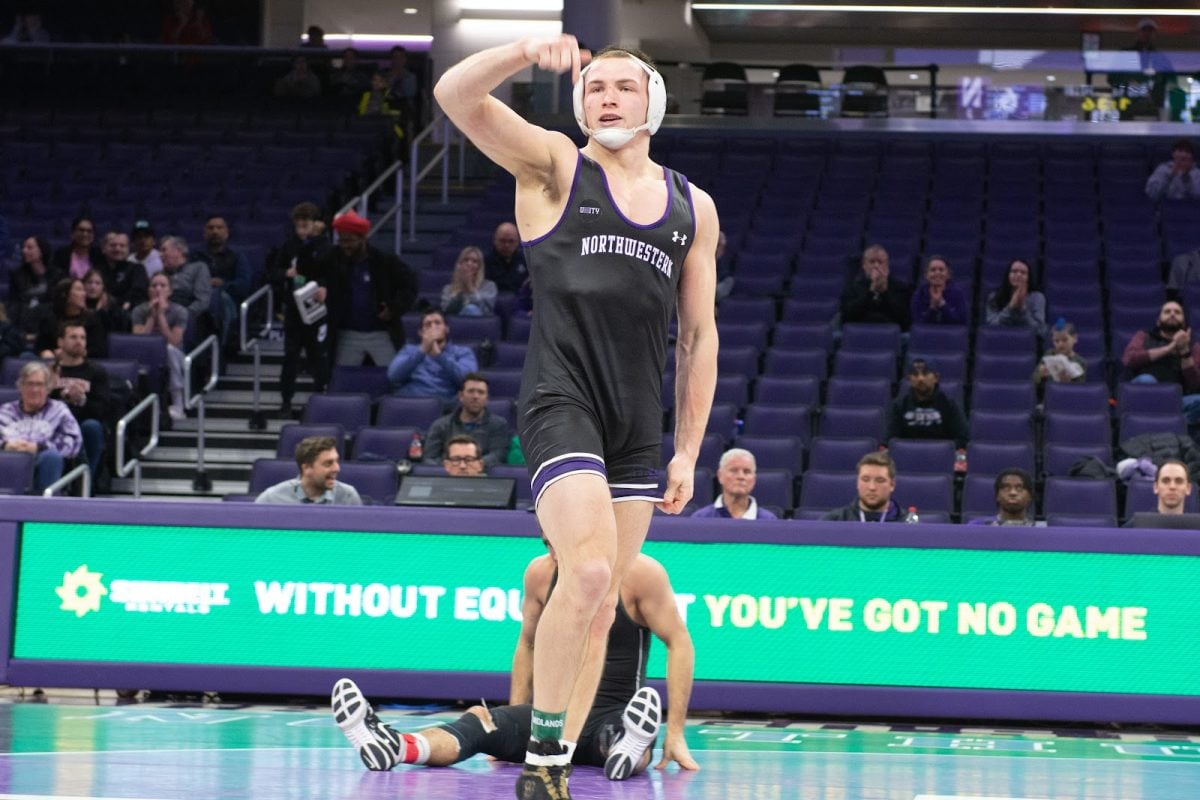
point(776, 698)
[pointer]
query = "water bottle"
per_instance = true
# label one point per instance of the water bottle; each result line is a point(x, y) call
point(911, 517)
point(416, 448)
point(960, 462)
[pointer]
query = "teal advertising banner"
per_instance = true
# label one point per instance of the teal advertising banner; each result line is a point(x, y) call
point(925, 617)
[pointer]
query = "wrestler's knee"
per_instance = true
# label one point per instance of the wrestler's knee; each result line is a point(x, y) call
point(484, 715)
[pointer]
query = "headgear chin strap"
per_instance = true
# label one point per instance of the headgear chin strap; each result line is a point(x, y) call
point(616, 138)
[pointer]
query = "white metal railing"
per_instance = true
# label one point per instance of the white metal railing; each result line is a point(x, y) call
point(135, 466)
point(82, 471)
point(361, 203)
point(201, 483)
point(253, 344)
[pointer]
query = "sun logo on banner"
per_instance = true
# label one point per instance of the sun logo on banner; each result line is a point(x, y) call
point(81, 591)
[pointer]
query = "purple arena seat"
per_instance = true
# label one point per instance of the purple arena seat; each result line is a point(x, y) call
point(770, 389)
point(775, 452)
point(934, 493)
point(1058, 459)
point(1137, 424)
point(1080, 496)
point(1013, 396)
point(858, 392)
point(291, 434)
point(862, 364)
point(989, 458)
point(828, 454)
point(870, 337)
point(373, 444)
point(711, 447)
point(796, 363)
point(997, 340)
point(1078, 429)
point(779, 420)
point(803, 335)
point(408, 412)
point(375, 481)
point(775, 487)
point(851, 422)
point(266, 472)
point(16, 472)
point(372, 381)
point(1080, 521)
point(1004, 367)
point(1000, 426)
point(914, 456)
point(821, 491)
point(1141, 398)
point(938, 340)
point(1077, 398)
point(352, 410)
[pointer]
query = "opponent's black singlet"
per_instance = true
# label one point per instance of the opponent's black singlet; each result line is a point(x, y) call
point(604, 289)
point(625, 660)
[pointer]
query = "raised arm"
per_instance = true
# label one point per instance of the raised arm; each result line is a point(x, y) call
point(464, 93)
point(657, 610)
point(695, 354)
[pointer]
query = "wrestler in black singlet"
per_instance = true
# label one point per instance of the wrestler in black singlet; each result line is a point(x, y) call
point(604, 289)
point(624, 673)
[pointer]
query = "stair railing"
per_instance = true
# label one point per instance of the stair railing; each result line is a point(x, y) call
point(258, 420)
point(83, 472)
point(362, 202)
point(135, 465)
point(201, 483)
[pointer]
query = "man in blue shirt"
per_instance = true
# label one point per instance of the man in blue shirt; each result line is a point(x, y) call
point(434, 367)
point(737, 472)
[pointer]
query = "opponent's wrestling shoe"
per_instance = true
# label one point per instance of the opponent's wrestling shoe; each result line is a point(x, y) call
point(544, 782)
point(380, 747)
point(641, 718)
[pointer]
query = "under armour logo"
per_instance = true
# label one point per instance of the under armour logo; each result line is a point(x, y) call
point(679, 238)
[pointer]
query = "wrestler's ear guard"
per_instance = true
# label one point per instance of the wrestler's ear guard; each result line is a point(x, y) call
point(655, 111)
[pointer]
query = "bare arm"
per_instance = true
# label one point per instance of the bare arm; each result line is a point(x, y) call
point(537, 581)
point(695, 354)
point(656, 608)
point(527, 151)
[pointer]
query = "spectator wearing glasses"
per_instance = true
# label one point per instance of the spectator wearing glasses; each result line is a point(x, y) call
point(463, 459)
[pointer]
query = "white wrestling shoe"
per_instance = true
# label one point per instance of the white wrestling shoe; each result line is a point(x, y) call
point(379, 746)
point(642, 718)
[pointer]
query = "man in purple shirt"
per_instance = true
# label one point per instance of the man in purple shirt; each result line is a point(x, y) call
point(40, 426)
point(737, 473)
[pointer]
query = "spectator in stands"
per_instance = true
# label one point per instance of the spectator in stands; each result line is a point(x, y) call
point(297, 261)
point(434, 367)
point(1014, 499)
point(100, 304)
point(1063, 338)
point(402, 84)
point(469, 294)
point(145, 248)
point(1177, 179)
point(317, 459)
point(725, 279)
point(160, 317)
point(186, 24)
point(471, 418)
point(83, 386)
point(40, 426)
point(191, 285)
point(505, 264)
point(874, 503)
point(299, 83)
point(1016, 303)
point(737, 472)
point(369, 291)
point(938, 300)
point(29, 287)
point(314, 37)
point(75, 259)
point(1172, 486)
point(1166, 354)
point(875, 296)
point(463, 459)
point(348, 79)
point(925, 411)
point(12, 342)
point(230, 274)
point(27, 29)
point(377, 101)
point(1185, 268)
point(68, 302)
point(127, 282)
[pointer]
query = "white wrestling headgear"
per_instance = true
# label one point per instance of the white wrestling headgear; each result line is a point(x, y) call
point(616, 138)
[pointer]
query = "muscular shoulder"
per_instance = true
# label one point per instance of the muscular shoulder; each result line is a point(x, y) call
point(646, 578)
point(538, 575)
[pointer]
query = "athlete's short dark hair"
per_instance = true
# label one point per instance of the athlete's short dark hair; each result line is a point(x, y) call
point(312, 446)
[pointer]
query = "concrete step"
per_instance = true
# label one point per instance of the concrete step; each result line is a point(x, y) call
point(177, 489)
point(241, 395)
point(213, 454)
point(186, 470)
point(216, 425)
point(237, 440)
